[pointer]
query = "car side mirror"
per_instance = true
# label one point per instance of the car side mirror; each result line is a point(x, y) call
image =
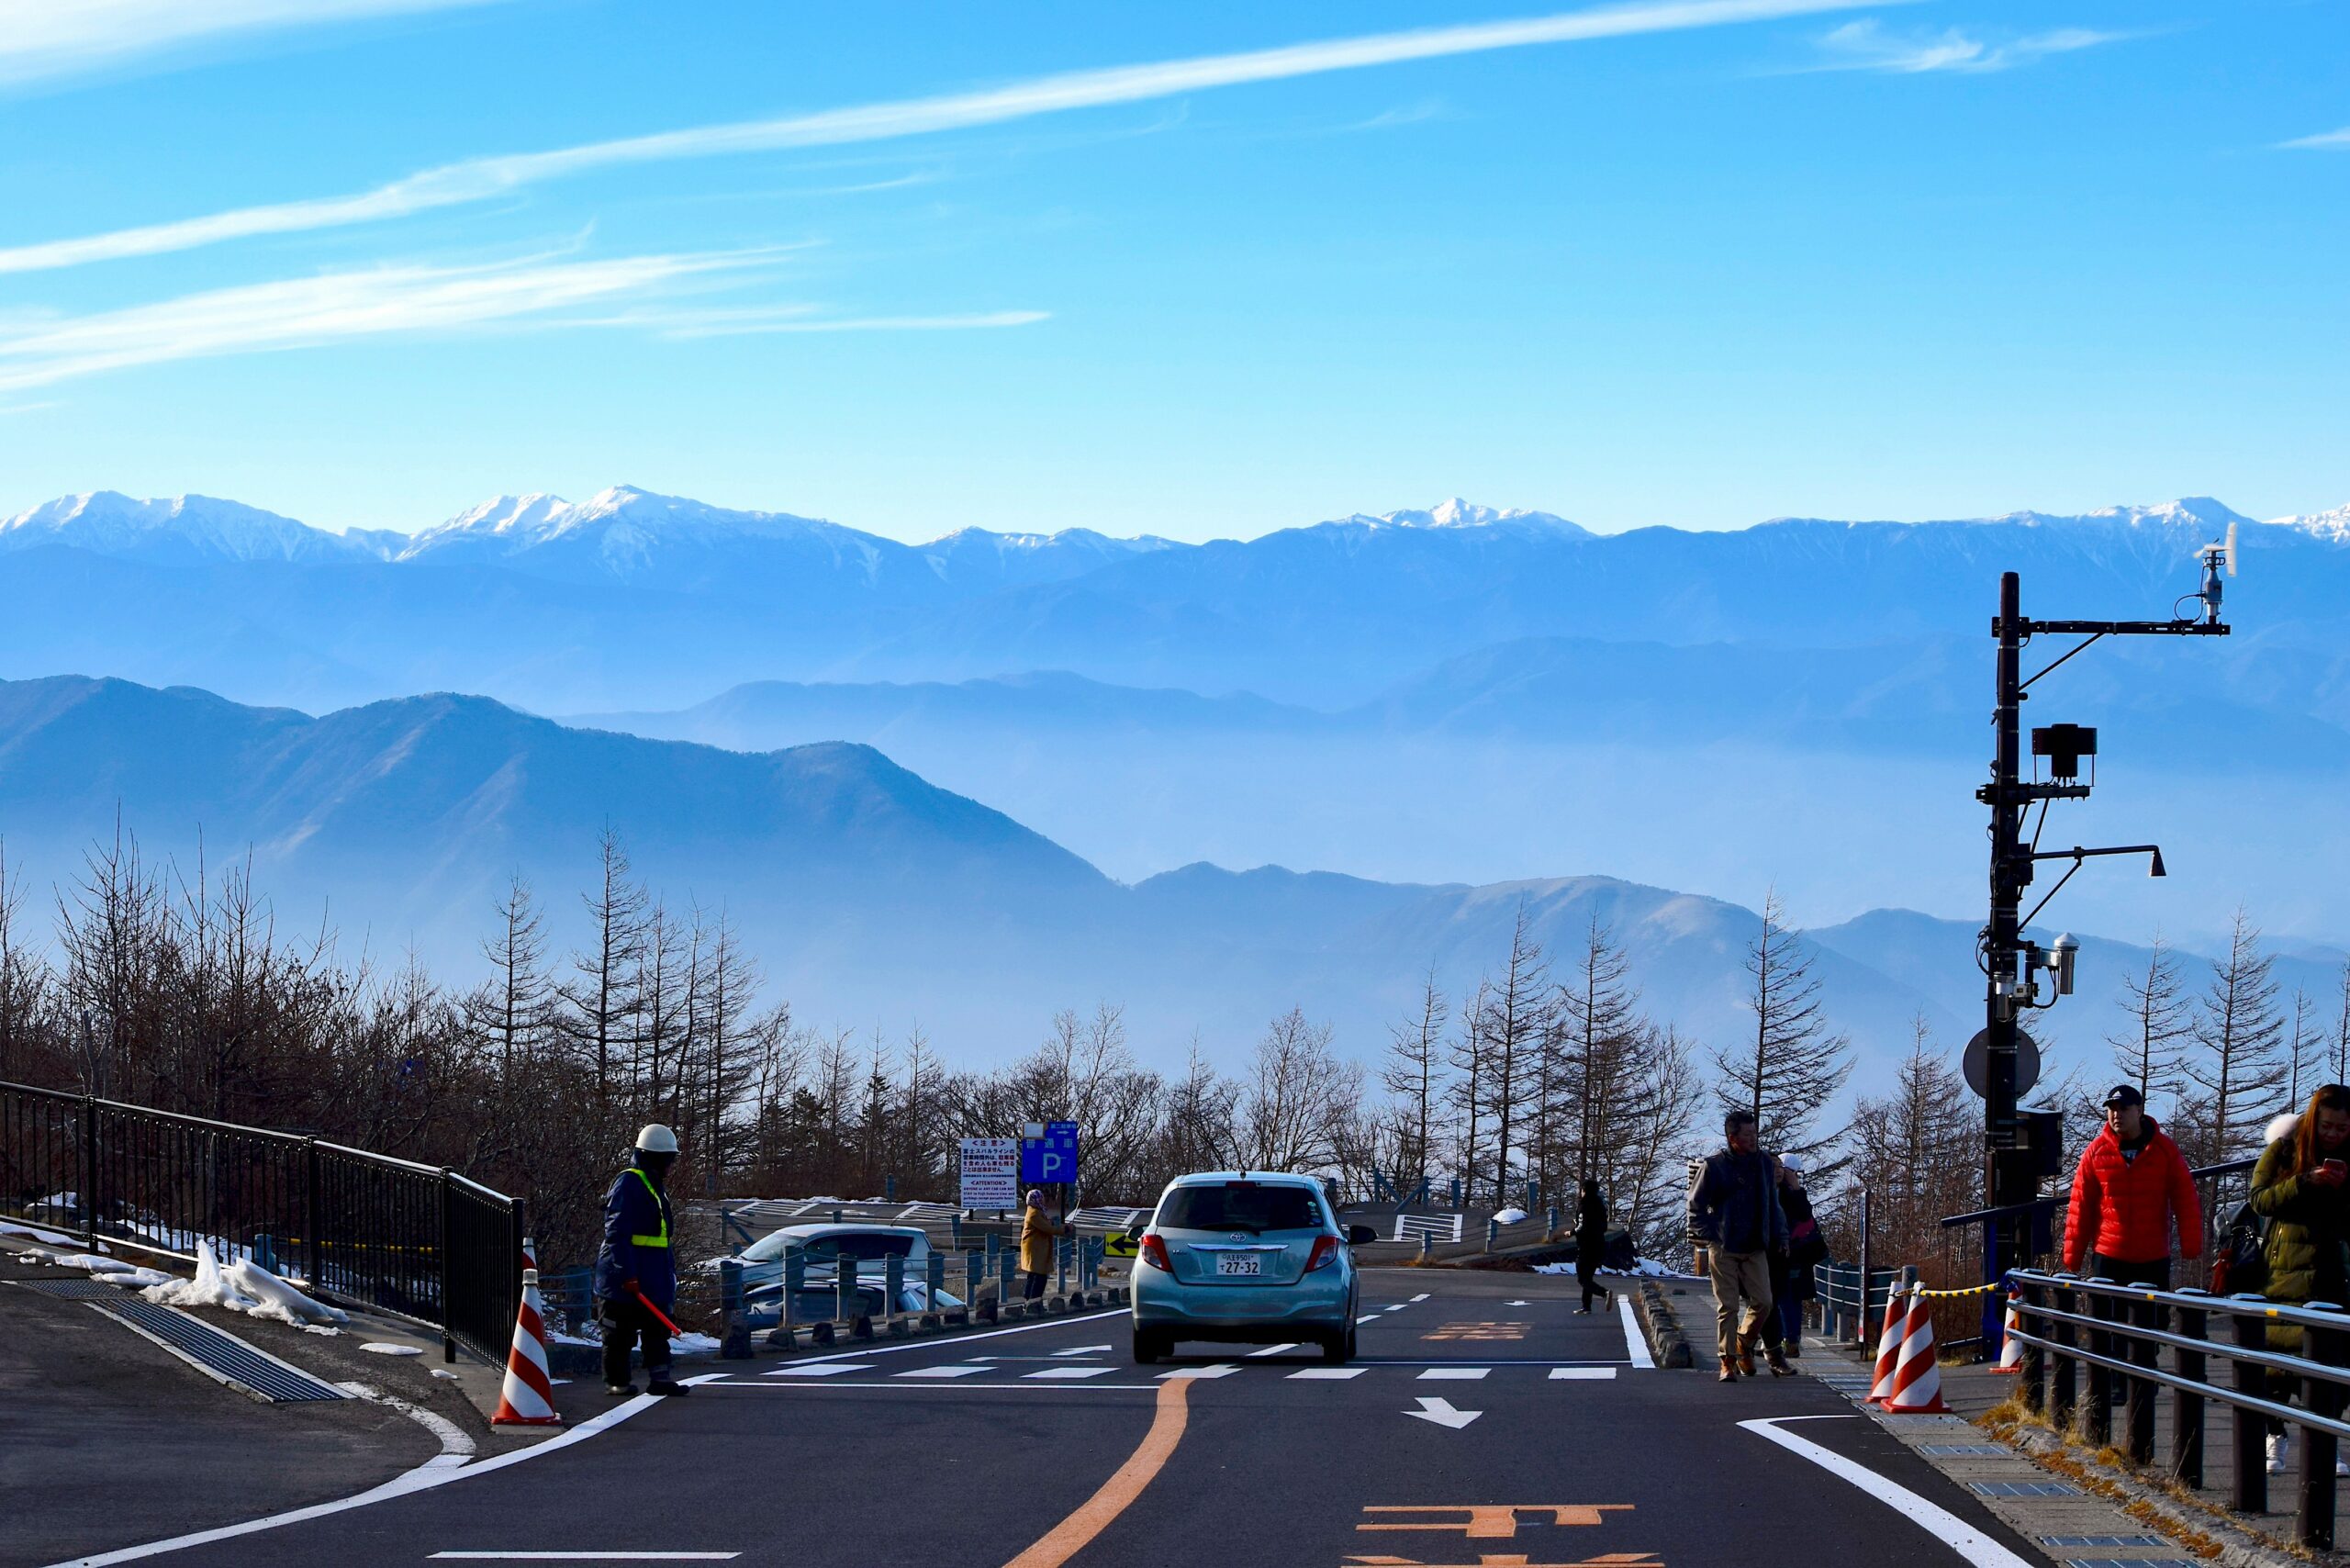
point(1133, 1232)
point(1360, 1235)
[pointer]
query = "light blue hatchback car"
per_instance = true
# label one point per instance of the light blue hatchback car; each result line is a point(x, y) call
point(1247, 1256)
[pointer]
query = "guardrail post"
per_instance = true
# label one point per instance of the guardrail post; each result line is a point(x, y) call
point(2060, 1382)
point(845, 1297)
point(2140, 1442)
point(88, 1197)
point(315, 1203)
point(1060, 1265)
point(972, 1279)
point(2249, 1494)
point(1002, 1278)
point(893, 1291)
point(1428, 1246)
point(1551, 1223)
point(2313, 1519)
point(934, 1284)
point(1493, 1233)
point(2097, 1416)
point(955, 1230)
point(794, 1280)
point(733, 1332)
point(2186, 1408)
point(448, 1266)
point(2034, 1367)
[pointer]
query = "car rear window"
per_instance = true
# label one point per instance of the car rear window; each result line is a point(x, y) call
point(1240, 1205)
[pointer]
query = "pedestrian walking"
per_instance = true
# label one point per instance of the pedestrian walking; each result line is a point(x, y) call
point(2132, 1191)
point(1037, 1233)
point(1734, 1209)
point(1591, 1245)
point(2298, 1187)
point(1792, 1265)
point(634, 1267)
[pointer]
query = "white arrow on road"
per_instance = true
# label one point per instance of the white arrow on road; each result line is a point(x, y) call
point(1441, 1412)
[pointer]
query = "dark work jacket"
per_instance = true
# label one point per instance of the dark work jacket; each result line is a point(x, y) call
point(1791, 1270)
point(1735, 1204)
point(637, 1206)
point(1591, 1222)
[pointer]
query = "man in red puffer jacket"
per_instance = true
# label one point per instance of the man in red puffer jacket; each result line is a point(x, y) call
point(2132, 1190)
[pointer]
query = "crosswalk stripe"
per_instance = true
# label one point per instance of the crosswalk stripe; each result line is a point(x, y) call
point(820, 1369)
point(1070, 1372)
point(1326, 1374)
point(945, 1371)
point(1221, 1369)
point(1271, 1350)
point(1453, 1375)
point(1580, 1374)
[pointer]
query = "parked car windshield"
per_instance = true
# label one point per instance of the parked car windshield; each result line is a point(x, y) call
point(824, 1249)
point(1240, 1205)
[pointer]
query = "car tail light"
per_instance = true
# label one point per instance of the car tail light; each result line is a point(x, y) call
point(1326, 1252)
point(1153, 1252)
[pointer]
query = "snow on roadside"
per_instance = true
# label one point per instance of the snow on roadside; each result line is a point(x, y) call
point(244, 1286)
point(1510, 1216)
point(47, 1238)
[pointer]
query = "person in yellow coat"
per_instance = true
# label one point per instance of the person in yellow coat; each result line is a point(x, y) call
point(1037, 1233)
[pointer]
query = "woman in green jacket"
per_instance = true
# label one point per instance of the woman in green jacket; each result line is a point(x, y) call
point(2299, 1187)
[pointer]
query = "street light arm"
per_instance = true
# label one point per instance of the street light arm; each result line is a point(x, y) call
point(2077, 855)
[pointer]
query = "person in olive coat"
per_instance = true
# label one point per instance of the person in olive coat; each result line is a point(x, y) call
point(2299, 1187)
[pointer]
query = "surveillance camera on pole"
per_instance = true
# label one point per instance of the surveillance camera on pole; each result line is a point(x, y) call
point(2012, 965)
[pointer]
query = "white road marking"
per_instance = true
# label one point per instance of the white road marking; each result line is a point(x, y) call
point(893, 1386)
point(1069, 1373)
point(1397, 1307)
point(941, 1372)
point(1270, 1350)
point(1441, 1412)
point(1081, 1350)
point(1221, 1369)
point(432, 1472)
point(1367, 1318)
point(456, 1445)
point(863, 1351)
point(1636, 1344)
point(1453, 1375)
point(1422, 1296)
point(1944, 1526)
point(589, 1556)
point(1581, 1374)
point(1518, 1304)
point(1326, 1374)
point(824, 1369)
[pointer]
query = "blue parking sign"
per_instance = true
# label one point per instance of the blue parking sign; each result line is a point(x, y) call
point(1052, 1157)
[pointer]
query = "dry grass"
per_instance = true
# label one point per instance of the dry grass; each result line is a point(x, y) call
point(2009, 1418)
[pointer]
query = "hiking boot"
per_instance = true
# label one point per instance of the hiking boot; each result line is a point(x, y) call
point(1778, 1360)
point(1730, 1374)
point(620, 1390)
point(1746, 1354)
point(666, 1386)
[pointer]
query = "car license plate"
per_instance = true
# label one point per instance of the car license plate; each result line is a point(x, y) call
point(1248, 1263)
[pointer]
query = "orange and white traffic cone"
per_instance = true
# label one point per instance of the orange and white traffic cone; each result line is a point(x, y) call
point(1918, 1379)
point(2010, 1348)
point(528, 1398)
point(1888, 1348)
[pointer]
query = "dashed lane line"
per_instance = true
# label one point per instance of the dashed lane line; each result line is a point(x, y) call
point(1453, 1375)
point(946, 1372)
point(1961, 1538)
point(1270, 1350)
point(1581, 1374)
point(1215, 1370)
point(1067, 1373)
point(1326, 1374)
point(587, 1556)
point(826, 1369)
point(1368, 1317)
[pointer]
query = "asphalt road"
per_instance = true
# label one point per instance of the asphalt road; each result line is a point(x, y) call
point(1041, 1445)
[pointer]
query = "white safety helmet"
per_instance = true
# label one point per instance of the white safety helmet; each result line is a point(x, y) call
point(656, 1139)
point(1792, 1162)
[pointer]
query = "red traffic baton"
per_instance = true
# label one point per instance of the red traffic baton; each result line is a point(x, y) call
point(675, 1331)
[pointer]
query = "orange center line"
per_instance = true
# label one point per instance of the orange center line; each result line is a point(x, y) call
point(1069, 1537)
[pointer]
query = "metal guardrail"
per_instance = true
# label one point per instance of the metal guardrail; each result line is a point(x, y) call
point(414, 1241)
point(1846, 1308)
point(2070, 1325)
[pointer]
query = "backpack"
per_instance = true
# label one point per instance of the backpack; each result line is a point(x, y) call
point(2241, 1265)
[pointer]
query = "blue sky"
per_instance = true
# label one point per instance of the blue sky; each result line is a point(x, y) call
point(916, 267)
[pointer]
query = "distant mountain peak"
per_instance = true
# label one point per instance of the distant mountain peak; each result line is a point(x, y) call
point(189, 527)
point(1457, 512)
point(2332, 526)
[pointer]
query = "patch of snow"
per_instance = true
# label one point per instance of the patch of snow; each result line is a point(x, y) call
point(1510, 1216)
point(693, 1344)
point(36, 1234)
point(243, 1286)
point(210, 1287)
point(380, 1347)
point(276, 1299)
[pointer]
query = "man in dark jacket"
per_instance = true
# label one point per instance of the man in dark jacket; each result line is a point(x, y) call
point(635, 1267)
point(1734, 1209)
point(2131, 1192)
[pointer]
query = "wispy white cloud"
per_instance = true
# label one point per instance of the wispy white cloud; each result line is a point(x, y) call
point(975, 321)
point(2325, 142)
point(478, 179)
point(53, 38)
point(332, 307)
point(1867, 45)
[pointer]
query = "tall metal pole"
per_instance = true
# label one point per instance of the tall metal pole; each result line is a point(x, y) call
point(2008, 1178)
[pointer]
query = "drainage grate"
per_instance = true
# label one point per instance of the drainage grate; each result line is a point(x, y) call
point(72, 1290)
point(2024, 1488)
point(223, 1356)
point(2128, 1562)
point(1967, 1450)
point(2102, 1540)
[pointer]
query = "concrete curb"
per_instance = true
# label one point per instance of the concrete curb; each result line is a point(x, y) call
point(1668, 1343)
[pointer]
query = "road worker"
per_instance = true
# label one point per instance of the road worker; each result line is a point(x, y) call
point(1038, 1231)
point(634, 1267)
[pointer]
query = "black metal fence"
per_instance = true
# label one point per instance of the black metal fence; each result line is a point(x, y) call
point(424, 1243)
point(2071, 1326)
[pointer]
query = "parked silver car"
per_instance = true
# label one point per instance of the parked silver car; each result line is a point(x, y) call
point(822, 1247)
point(1249, 1256)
